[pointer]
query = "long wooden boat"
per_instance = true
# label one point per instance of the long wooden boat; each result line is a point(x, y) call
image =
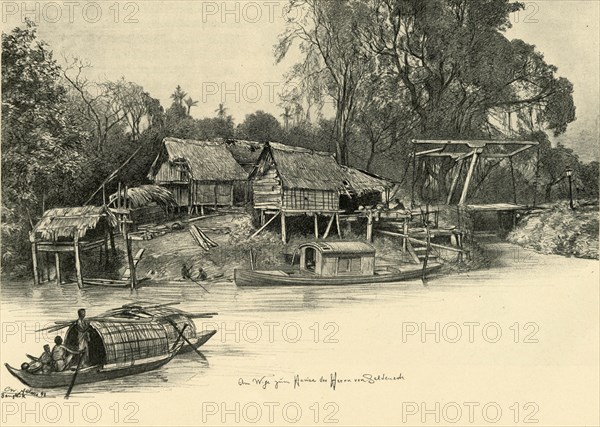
point(129, 340)
point(285, 278)
point(333, 264)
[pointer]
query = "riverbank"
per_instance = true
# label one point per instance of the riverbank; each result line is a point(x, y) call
point(560, 230)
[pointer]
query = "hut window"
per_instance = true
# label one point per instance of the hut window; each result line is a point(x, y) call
point(349, 265)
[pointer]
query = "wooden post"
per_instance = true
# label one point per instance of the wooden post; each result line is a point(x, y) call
point(130, 262)
point(112, 242)
point(329, 224)
point(104, 195)
point(370, 226)
point(47, 263)
point(78, 263)
point(57, 267)
point(454, 182)
point(405, 232)
point(463, 197)
point(119, 196)
point(337, 224)
point(316, 216)
point(283, 230)
point(514, 185)
point(36, 278)
point(106, 243)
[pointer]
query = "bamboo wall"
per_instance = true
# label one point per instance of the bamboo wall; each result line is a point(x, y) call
point(311, 200)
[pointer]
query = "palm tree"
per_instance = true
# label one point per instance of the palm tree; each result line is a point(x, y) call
point(221, 111)
point(190, 103)
point(178, 95)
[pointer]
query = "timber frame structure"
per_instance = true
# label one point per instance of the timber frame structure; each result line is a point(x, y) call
point(463, 150)
point(72, 230)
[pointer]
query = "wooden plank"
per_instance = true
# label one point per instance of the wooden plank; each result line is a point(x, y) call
point(201, 217)
point(266, 224)
point(412, 253)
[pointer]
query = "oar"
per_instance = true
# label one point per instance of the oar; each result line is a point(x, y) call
point(196, 282)
point(179, 337)
point(74, 376)
point(182, 336)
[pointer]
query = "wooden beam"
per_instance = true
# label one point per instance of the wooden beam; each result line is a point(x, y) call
point(36, 278)
point(328, 226)
point(433, 150)
point(419, 241)
point(265, 225)
point(57, 267)
point(454, 182)
point(78, 263)
point(337, 224)
point(405, 231)
point(316, 217)
point(463, 196)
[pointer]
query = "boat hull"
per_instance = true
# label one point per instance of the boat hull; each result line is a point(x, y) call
point(200, 341)
point(84, 376)
point(243, 277)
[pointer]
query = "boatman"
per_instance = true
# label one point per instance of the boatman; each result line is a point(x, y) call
point(61, 355)
point(46, 359)
point(83, 337)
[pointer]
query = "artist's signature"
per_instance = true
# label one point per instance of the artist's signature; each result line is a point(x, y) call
point(332, 380)
point(11, 393)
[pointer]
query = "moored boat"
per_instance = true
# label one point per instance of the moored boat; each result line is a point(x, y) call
point(333, 264)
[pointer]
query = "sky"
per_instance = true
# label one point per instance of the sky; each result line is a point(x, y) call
point(222, 51)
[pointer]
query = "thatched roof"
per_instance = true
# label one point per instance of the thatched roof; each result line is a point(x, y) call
point(71, 222)
point(364, 182)
point(246, 153)
point(307, 169)
point(205, 160)
point(144, 195)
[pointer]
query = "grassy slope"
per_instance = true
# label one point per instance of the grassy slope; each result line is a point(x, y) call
point(560, 230)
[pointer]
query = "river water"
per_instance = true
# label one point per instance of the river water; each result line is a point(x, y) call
point(522, 332)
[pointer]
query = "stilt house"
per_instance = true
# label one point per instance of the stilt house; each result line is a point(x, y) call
point(198, 173)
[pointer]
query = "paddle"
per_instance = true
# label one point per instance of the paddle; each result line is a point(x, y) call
point(74, 376)
point(182, 336)
point(196, 282)
point(179, 337)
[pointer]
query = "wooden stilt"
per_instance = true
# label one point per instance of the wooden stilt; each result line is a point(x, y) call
point(262, 217)
point(405, 232)
point(265, 225)
point(337, 224)
point(463, 197)
point(316, 216)
point(514, 184)
point(112, 243)
point(106, 246)
point(36, 277)
point(47, 262)
point(370, 226)
point(130, 261)
point(57, 267)
point(283, 229)
point(78, 263)
point(329, 224)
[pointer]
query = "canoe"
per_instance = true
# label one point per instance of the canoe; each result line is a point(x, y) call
point(245, 277)
point(91, 374)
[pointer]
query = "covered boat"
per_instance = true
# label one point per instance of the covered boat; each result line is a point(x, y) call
point(125, 341)
point(333, 263)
